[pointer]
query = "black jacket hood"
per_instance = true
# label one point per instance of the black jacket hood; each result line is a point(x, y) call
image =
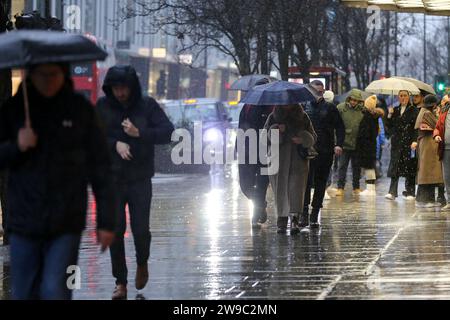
point(123, 75)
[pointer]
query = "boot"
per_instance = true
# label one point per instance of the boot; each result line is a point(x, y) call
point(304, 220)
point(282, 225)
point(441, 196)
point(120, 292)
point(294, 227)
point(314, 219)
point(262, 215)
point(370, 191)
point(141, 277)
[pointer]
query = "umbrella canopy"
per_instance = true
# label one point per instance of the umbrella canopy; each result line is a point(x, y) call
point(279, 93)
point(419, 84)
point(247, 82)
point(24, 48)
point(392, 86)
point(343, 97)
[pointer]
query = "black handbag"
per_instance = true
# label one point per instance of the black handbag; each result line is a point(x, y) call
point(307, 153)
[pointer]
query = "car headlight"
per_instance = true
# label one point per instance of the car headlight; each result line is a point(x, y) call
point(212, 135)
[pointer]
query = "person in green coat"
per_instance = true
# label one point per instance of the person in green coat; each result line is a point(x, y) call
point(351, 112)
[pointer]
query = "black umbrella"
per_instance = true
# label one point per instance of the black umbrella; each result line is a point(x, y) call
point(22, 49)
point(279, 93)
point(247, 82)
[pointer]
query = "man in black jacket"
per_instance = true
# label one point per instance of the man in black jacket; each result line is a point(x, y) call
point(134, 125)
point(51, 161)
point(330, 139)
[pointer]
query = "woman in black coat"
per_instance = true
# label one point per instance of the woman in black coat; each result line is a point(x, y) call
point(400, 126)
point(366, 144)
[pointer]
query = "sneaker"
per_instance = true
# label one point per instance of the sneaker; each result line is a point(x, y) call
point(120, 292)
point(141, 277)
point(357, 192)
point(410, 198)
point(326, 197)
point(390, 197)
point(420, 204)
point(430, 205)
point(340, 193)
point(446, 208)
point(370, 191)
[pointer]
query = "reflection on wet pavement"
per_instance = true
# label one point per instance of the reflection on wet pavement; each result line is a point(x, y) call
point(204, 248)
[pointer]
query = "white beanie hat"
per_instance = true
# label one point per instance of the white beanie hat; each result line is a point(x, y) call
point(328, 96)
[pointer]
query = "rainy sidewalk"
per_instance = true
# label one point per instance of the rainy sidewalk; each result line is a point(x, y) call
point(204, 248)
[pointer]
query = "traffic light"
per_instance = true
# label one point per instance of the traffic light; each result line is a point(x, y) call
point(440, 84)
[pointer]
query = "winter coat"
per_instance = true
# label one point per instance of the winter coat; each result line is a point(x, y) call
point(366, 145)
point(289, 184)
point(352, 119)
point(145, 113)
point(328, 125)
point(440, 131)
point(430, 168)
point(48, 185)
point(401, 130)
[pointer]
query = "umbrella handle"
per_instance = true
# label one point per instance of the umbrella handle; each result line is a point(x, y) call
point(25, 101)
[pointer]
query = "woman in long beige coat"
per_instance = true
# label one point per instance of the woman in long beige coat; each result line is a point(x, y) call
point(289, 183)
point(430, 168)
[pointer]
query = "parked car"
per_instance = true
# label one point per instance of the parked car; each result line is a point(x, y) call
point(184, 114)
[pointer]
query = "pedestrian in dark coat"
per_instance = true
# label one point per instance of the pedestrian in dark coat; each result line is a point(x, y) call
point(253, 184)
point(50, 165)
point(330, 130)
point(400, 124)
point(366, 144)
point(134, 125)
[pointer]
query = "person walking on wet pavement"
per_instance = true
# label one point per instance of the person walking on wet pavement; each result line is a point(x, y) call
point(442, 136)
point(134, 125)
point(51, 161)
point(400, 125)
point(366, 144)
point(253, 184)
point(330, 131)
point(297, 138)
point(430, 168)
point(351, 114)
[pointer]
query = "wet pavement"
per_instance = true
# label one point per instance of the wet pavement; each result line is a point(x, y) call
point(204, 248)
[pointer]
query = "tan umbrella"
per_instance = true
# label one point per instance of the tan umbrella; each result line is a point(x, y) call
point(392, 86)
point(419, 84)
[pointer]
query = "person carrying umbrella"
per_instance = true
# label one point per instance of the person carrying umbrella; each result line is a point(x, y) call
point(134, 125)
point(400, 125)
point(253, 184)
point(53, 145)
point(292, 151)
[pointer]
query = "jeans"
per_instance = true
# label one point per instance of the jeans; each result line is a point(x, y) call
point(39, 267)
point(319, 173)
point(253, 184)
point(138, 196)
point(344, 161)
point(410, 186)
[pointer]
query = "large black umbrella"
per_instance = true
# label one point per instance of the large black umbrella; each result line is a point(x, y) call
point(247, 82)
point(279, 93)
point(21, 49)
point(24, 48)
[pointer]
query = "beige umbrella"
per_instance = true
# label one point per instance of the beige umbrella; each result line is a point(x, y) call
point(392, 86)
point(419, 84)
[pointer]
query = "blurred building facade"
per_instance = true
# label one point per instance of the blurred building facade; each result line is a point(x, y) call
point(154, 55)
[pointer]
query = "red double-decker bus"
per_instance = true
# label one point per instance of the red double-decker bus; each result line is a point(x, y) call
point(88, 77)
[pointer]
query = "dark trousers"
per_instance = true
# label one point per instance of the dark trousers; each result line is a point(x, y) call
point(427, 193)
point(138, 196)
point(344, 161)
point(253, 184)
point(319, 172)
point(40, 268)
point(3, 190)
point(410, 186)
